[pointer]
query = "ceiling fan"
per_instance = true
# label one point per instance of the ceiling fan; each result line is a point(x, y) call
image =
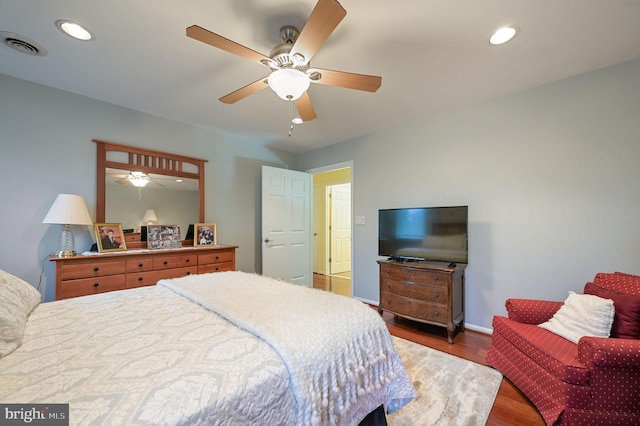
point(291, 71)
point(138, 179)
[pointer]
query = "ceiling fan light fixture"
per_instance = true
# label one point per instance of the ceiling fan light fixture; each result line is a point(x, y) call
point(297, 120)
point(289, 84)
point(139, 179)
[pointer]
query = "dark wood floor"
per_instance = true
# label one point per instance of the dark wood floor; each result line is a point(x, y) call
point(510, 407)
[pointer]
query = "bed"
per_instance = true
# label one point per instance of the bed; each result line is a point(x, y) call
point(227, 348)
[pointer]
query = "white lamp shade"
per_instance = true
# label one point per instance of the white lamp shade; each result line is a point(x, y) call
point(288, 83)
point(149, 216)
point(68, 209)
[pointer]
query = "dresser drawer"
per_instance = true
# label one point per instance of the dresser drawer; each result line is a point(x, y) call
point(413, 275)
point(417, 309)
point(216, 267)
point(168, 262)
point(86, 286)
point(141, 279)
point(140, 265)
point(94, 269)
point(218, 257)
point(438, 294)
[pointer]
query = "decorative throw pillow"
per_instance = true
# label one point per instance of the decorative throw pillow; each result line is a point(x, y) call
point(618, 281)
point(582, 315)
point(17, 299)
point(626, 322)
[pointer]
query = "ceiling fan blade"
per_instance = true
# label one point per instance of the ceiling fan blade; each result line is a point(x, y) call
point(305, 107)
point(198, 33)
point(123, 181)
point(245, 91)
point(368, 83)
point(324, 18)
point(120, 175)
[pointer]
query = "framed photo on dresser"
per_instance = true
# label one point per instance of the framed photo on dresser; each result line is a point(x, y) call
point(163, 237)
point(205, 234)
point(109, 237)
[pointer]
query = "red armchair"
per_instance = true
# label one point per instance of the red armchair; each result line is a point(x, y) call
point(594, 382)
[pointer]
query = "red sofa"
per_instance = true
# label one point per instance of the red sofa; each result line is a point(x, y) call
point(594, 382)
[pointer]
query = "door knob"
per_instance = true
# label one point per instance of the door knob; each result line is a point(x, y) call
point(266, 240)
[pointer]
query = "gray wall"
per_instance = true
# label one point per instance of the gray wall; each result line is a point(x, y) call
point(550, 175)
point(46, 149)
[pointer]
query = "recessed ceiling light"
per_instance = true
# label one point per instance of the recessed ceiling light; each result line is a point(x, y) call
point(503, 35)
point(74, 30)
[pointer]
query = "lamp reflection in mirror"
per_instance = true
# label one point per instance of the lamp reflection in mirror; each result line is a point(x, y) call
point(149, 217)
point(68, 210)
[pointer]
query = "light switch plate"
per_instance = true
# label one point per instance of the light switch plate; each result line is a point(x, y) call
point(360, 220)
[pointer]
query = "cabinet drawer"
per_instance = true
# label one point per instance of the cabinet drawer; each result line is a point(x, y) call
point(417, 309)
point(218, 257)
point(83, 287)
point(133, 237)
point(94, 269)
point(216, 267)
point(438, 294)
point(140, 279)
point(167, 262)
point(413, 275)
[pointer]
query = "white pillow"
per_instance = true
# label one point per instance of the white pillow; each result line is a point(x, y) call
point(582, 315)
point(17, 299)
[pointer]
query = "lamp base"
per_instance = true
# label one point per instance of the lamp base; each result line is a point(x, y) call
point(66, 253)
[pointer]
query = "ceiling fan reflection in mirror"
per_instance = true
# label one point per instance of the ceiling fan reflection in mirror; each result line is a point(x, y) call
point(138, 179)
point(291, 71)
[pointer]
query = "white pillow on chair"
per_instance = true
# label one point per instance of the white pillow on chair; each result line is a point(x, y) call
point(582, 315)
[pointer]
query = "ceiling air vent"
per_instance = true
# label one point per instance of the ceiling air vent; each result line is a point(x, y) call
point(22, 44)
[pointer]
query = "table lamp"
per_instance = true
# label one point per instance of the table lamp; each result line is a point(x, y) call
point(68, 210)
point(149, 217)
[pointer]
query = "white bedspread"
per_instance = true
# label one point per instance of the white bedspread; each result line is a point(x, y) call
point(338, 351)
point(146, 356)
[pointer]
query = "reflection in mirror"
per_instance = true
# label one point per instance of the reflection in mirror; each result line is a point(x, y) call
point(174, 200)
point(132, 180)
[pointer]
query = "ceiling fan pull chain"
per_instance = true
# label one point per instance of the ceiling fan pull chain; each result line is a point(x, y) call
point(290, 122)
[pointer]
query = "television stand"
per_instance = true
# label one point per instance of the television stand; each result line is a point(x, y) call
point(424, 291)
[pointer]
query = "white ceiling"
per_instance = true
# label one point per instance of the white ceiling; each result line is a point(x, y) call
point(433, 56)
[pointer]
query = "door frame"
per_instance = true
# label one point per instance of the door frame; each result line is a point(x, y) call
point(329, 168)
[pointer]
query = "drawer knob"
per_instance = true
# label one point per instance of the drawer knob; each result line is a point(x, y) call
point(96, 284)
point(140, 265)
point(166, 263)
point(188, 273)
point(140, 279)
point(435, 295)
point(96, 269)
point(187, 260)
point(435, 314)
point(217, 269)
point(217, 257)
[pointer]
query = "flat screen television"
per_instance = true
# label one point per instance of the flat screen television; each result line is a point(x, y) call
point(425, 233)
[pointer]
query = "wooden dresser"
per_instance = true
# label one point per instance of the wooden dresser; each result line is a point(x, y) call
point(84, 275)
point(429, 292)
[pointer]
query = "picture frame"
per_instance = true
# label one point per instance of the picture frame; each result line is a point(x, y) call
point(163, 237)
point(205, 234)
point(109, 237)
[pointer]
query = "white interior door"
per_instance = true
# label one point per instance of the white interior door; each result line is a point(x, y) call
point(340, 230)
point(286, 225)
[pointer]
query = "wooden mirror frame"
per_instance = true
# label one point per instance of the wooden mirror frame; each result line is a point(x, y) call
point(147, 161)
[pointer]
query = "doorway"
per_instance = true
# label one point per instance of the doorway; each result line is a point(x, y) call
point(332, 232)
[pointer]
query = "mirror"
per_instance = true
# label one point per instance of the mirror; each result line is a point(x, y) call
point(174, 187)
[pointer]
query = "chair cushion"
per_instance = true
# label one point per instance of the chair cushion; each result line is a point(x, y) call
point(555, 354)
point(626, 321)
point(582, 315)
